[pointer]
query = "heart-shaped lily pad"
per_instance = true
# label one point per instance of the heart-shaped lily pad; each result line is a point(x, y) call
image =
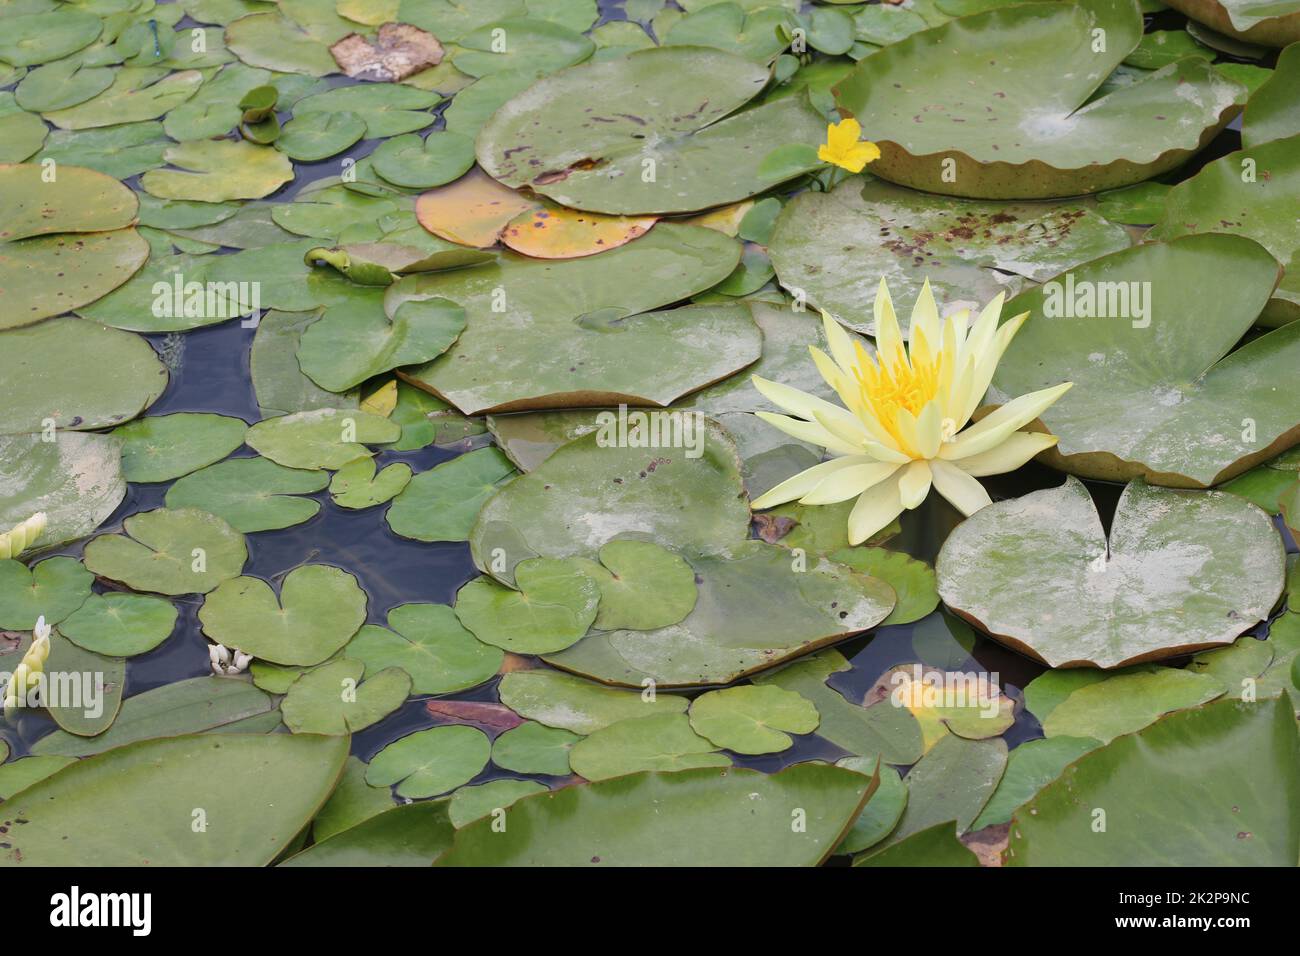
point(534, 748)
point(318, 609)
point(216, 170)
point(657, 742)
point(1181, 571)
point(635, 135)
point(428, 642)
point(416, 163)
point(356, 485)
point(430, 762)
point(913, 581)
point(1145, 335)
point(169, 551)
point(441, 504)
point(1030, 130)
point(352, 342)
point(52, 589)
point(553, 607)
point(46, 34)
point(729, 817)
point(524, 43)
point(389, 109)
point(252, 494)
point(320, 438)
point(119, 624)
point(574, 338)
point(835, 247)
point(276, 42)
point(163, 447)
point(642, 586)
point(333, 699)
point(581, 706)
point(76, 480)
point(756, 719)
point(320, 135)
point(137, 93)
point(1236, 811)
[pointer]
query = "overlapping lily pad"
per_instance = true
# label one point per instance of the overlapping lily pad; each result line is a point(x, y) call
point(634, 135)
point(430, 644)
point(252, 494)
point(1028, 129)
point(441, 504)
point(333, 699)
point(657, 742)
point(1258, 21)
point(430, 762)
point(835, 247)
point(534, 748)
point(52, 589)
point(169, 551)
point(754, 719)
point(581, 706)
point(320, 438)
point(218, 170)
point(76, 480)
point(1145, 335)
point(553, 607)
point(642, 586)
point(1181, 571)
point(163, 447)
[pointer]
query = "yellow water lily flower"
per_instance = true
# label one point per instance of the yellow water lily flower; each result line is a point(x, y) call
point(26, 675)
point(842, 147)
point(901, 428)
point(21, 536)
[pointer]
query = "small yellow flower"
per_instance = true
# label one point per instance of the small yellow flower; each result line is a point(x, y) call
point(21, 536)
point(900, 430)
point(843, 149)
point(27, 674)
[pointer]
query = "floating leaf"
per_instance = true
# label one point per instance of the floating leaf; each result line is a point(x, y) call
point(752, 719)
point(534, 748)
point(252, 494)
point(277, 43)
point(429, 762)
point(472, 211)
point(883, 810)
point(555, 232)
point(353, 801)
point(389, 109)
point(169, 551)
point(657, 147)
point(119, 624)
point(150, 789)
point(656, 742)
point(913, 581)
point(278, 381)
point(163, 447)
point(90, 687)
point(1274, 109)
point(934, 846)
point(441, 504)
point(1181, 571)
point(508, 45)
point(416, 163)
point(76, 480)
point(136, 94)
point(18, 775)
point(410, 835)
point(1029, 134)
point(429, 643)
point(319, 136)
point(38, 37)
point(1259, 21)
point(52, 589)
point(554, 606)
point(581, 706)
point(332, 699)
point(320, 438)
point(356, 485)
point(702, 817)
point(218, 170)
point(1124, 703)
point(1032, 765)
point(642, 586)
point(472, 803)
point(22, 133)
point(1145, 335)
point(318, 609)
point(758, 35)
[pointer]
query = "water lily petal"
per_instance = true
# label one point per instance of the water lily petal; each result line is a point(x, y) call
point(791, 399)
point(925, 319)
point(914, 484)
point(889, 338)
point(965, 492)
point(930, 429)
point(799, 485)
point(810, 432)
point(849, 483)
point(998, 426)
point(1008, 456)
point(876, 508)
point(850, 428)
point(838, 341)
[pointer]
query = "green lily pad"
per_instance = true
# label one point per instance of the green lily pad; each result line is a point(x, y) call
point(934, 846)
point(52, 589)
point(388, 109)
point(429, 762)
point(1258, 21)
point(1028, 134)
point(1124, 703)
point(881, 729)
point(473, 803)
point(1235, 811)
point(75, 479)
point(416, 163)
point(91, 683)
point(216, 170)
point(441, 504)
point(508, 45)
point(353, 801)
point(185, 707)
point(1248, 193)
point(276, 42)
point(163, 447)
point(38, 37)
point(642, 586)
point(151, 789)
point(332, 699)
point(320, 135)
point(214, 109)
point(318, 609)
point(428, 642)
point(410, 835)
point(755, 34)
point(1181, 571)
point(1156, 392)
point(473, 106)
point(574, 336)
point(18, 775)
point(656, 742)
point(1031, 766)
point(752, 719)
point(22, 133)
point(169, 551)
point(581, 706)
point(352, 342)
point(251, 494)
point(1274, 109)
point(657, 148)
point(137, 93)
point(913, 581)
point(1162, 47)
point(883, 810)
point(119, 624)
point(702, 817)
point(320, 438)
point(1139, 205)
point(553, 607)
point(534, 748)
point(356, 485)
point(119, 151)
point(834, 248)
point(278, 381)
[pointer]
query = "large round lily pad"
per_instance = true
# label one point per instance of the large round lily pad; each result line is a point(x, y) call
point(151, 791)
point(650, 132)
point(76, 480)
point(1237, 809)
point(1027, 129)
point(566, 333)
point(1182, 571)
point(169, 551)
point(836, 247)
point(1272, 22)
point(76, 374)
point(702, 817)
point(215, 170)
point(120, 624)
point(318, 609)
point(1145, 335)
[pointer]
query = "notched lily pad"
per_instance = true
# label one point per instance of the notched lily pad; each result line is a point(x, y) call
point(169, 551)
point(553, 607)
